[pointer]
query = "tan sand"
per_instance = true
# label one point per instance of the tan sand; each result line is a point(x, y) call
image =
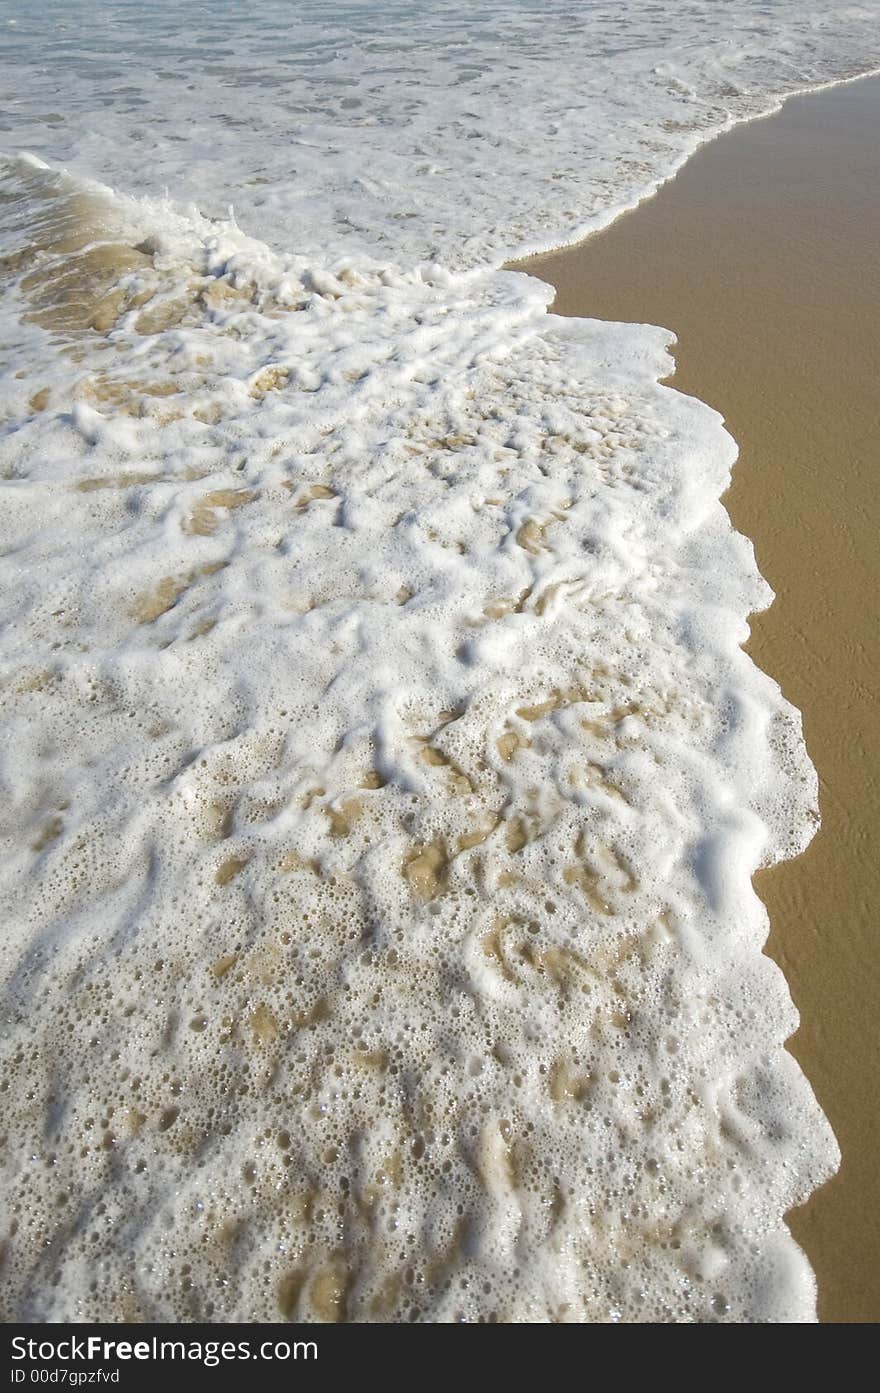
point(763, 256)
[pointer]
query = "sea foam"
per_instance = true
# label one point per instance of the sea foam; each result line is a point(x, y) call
point(382, 775)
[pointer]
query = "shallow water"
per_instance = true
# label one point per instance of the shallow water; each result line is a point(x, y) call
point(382, 774)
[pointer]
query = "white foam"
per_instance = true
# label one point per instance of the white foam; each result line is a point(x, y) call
point(410, 131)
point(382, 777)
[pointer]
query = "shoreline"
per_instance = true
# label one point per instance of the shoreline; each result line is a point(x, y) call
point(757, 254)
point(609, 219)
point(384, 770)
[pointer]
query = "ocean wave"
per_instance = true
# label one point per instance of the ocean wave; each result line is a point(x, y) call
point(382, 782)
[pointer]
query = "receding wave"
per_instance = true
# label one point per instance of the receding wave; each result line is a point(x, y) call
point(381, 789)
point(382, 777)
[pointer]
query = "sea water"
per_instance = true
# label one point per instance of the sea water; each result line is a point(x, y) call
point(382, 774)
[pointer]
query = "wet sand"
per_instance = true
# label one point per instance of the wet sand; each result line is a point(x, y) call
point(762, 255)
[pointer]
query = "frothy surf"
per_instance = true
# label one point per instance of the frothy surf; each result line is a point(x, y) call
point(382, 781)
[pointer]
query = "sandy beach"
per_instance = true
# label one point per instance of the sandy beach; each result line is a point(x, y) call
point(387, 790)
point(761, 255)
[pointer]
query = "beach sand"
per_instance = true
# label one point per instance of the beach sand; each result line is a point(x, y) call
point(762, 256)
